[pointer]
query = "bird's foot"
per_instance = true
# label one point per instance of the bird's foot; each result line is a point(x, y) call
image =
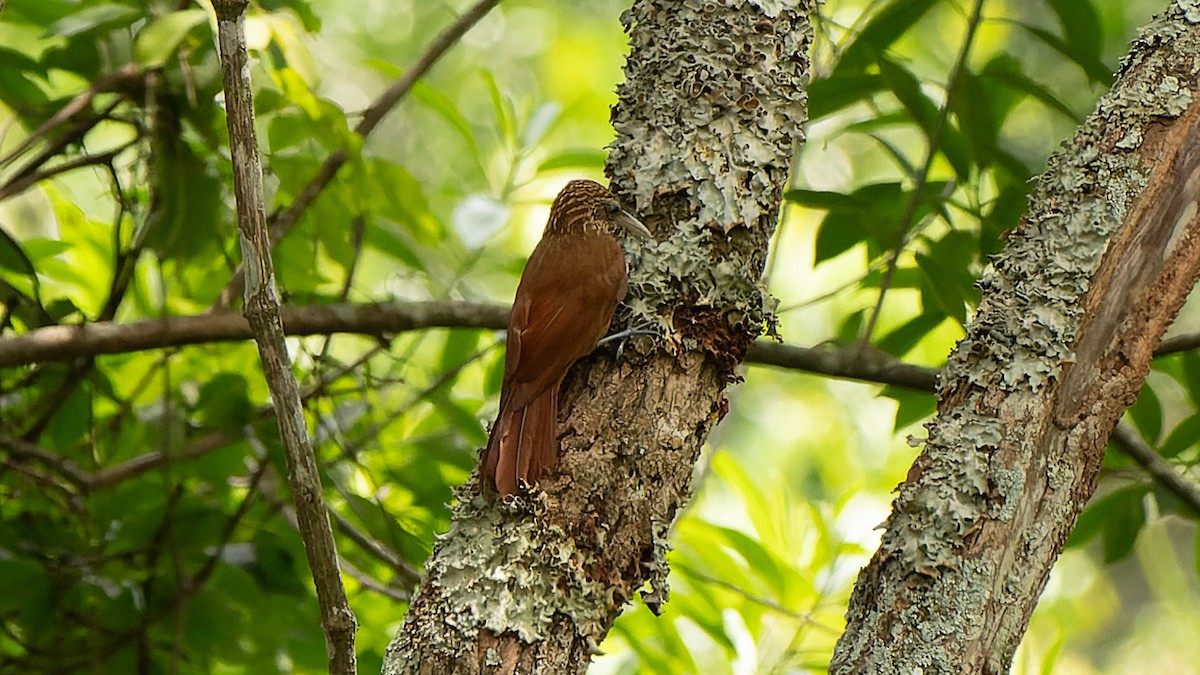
point(621, 337)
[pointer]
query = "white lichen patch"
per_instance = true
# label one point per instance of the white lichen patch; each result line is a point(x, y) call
point(714, 131)
point(532, 572)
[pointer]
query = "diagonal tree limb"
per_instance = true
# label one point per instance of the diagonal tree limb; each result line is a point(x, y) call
point(262, 312)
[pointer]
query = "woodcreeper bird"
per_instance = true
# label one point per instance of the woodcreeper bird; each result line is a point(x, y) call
point(570, 288)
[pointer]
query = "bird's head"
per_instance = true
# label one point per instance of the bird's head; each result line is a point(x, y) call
point(585, 205)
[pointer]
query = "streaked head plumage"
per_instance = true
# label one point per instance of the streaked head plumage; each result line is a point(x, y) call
point(588, 207)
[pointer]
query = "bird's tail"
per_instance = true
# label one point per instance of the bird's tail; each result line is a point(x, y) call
point(523, 444)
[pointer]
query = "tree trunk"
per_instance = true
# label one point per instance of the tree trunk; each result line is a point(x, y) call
point(706, 124)
point(1070, 315)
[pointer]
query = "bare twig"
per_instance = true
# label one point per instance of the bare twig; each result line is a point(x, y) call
point(24, 181)
point(283, 221)
point(74, 133)
point(373, 585)
point(1179, 343)
point(870, 365)
point(1129, 442)
point(262, 312)
point(121, 76)
point(386, 555)
point(59, 343)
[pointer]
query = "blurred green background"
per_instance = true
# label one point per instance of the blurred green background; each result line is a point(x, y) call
point(123, 211)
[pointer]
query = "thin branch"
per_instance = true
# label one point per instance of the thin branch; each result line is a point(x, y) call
point(371, 584)
point(24, 451)
point(869, 365)
point(127, 73)
point(1179, 343)
point(1129, 442)
point(386, 555)
point(65, 342)
point(263, 314)
point(153, 460)
point(25, 181)
point(59, 343)
point(283, 221)
point(75, 133)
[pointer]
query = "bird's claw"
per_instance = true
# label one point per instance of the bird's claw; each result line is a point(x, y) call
point(621, 337)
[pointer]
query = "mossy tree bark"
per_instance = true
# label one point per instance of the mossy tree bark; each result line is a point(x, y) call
point(1070, 315)
point(706, 125)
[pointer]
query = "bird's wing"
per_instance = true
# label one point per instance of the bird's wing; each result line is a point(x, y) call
point(563, 306)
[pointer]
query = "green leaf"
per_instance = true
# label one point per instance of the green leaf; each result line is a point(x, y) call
point(21, 272)
point(851, 329)
point(820, 199)
point(1147, 415)
point(1009, 72)
point(445, 108)
point(839, 91)
point(224, 402)
point(24, 585)
point(911, 406)
point(502, 110)
point(1197, 555)
point(1126, 515)
point(902, 339)
point(881, 30)
point(96, 17)
point(977, 116)
point(1094, 520)
point(758, 559)
point(539, 124)
point(871, 214)
point(302, 8)
point(1185, 435)
point(1190, 367)
point(1095, 69)
point(946, 293)
point(159, 40)
point(574, 159)
point(278, 563)
point(71, 422)
point(1081, 24)
point(907, 89)
point(40, 13)
point(839, 232)
point(761, 511)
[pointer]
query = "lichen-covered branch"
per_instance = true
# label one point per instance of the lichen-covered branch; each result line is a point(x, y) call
point(1060, 346)
point(706, 122)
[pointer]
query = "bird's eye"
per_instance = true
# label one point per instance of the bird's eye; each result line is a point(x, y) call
point(612, 208)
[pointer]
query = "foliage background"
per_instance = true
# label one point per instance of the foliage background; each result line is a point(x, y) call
point(193, 566)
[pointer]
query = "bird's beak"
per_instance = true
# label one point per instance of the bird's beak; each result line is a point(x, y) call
point(632, 225)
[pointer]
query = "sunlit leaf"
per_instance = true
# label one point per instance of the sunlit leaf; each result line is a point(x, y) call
point(881, 30)
point(100, 16)
point(1185, 435)
point(1081, 24)
point(1095, 70)
point(160, 38)
point(574, 159)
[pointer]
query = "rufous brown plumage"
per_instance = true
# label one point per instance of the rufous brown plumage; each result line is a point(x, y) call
point(568, 292)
